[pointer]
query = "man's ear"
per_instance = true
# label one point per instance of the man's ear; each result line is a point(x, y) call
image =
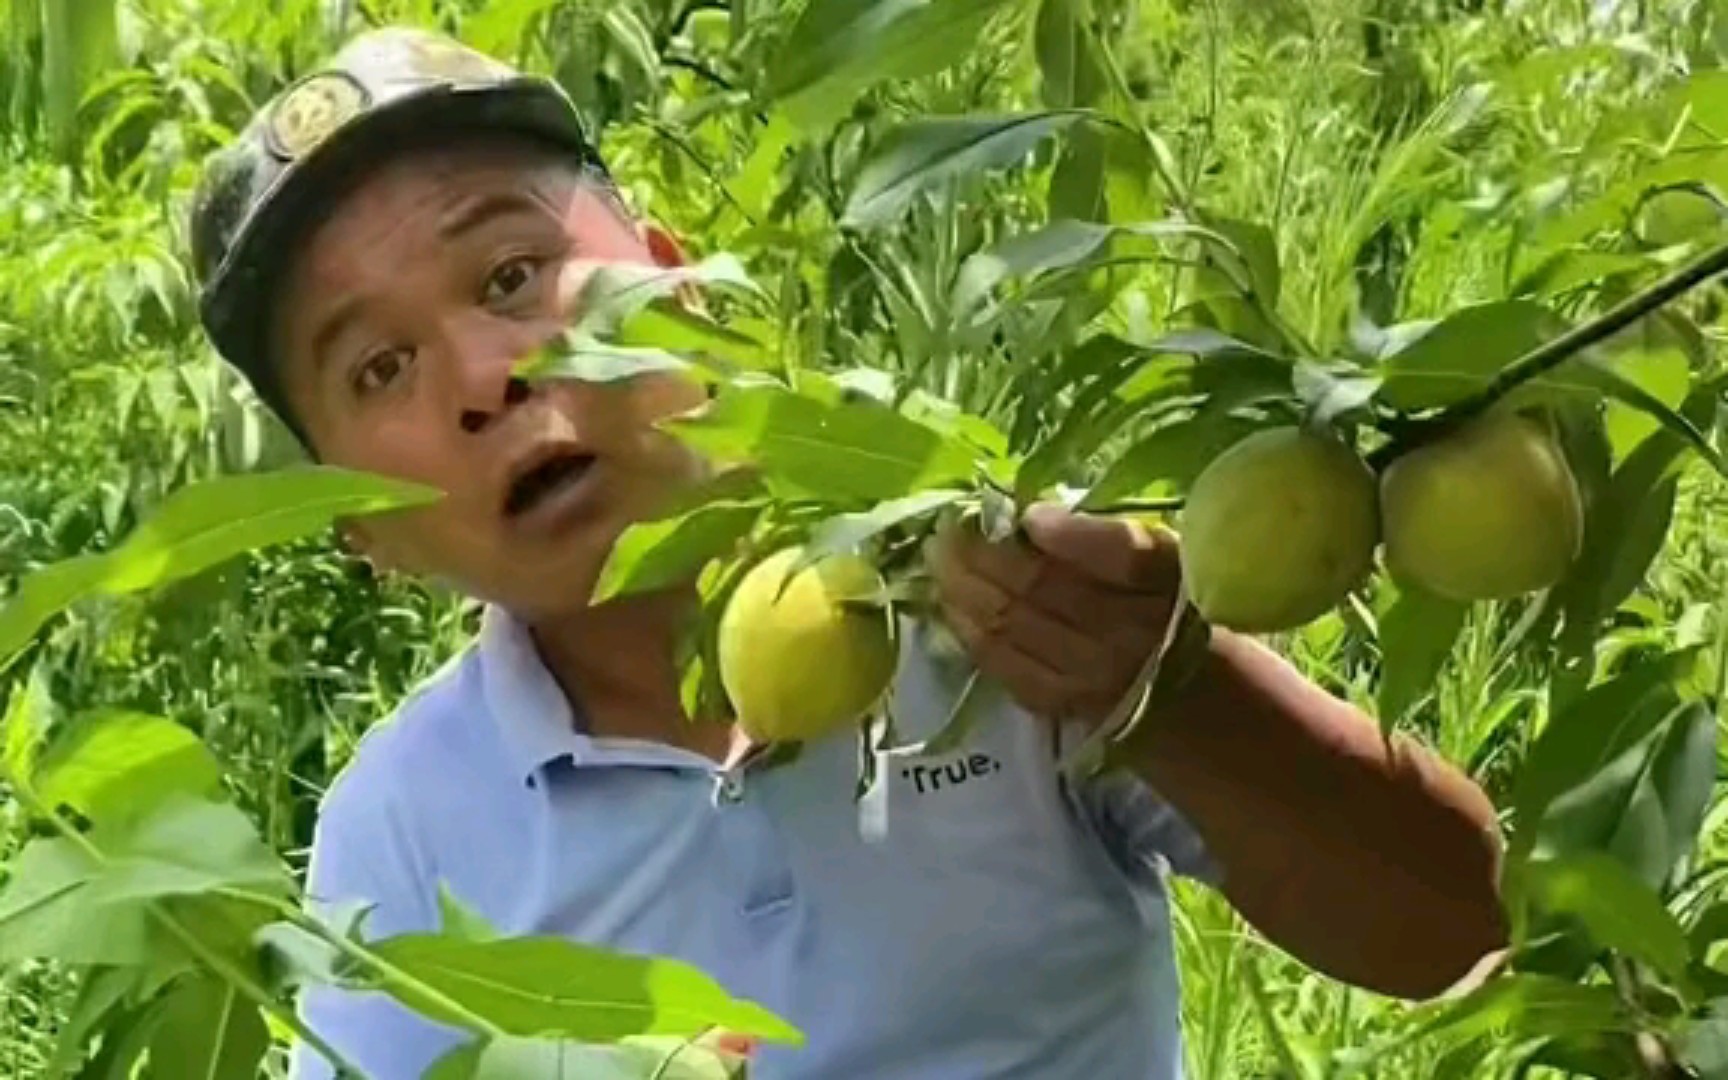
point(663, 246)
point(667, 252)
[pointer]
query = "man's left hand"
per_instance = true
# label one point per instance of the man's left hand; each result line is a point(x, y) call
point(1064, 616)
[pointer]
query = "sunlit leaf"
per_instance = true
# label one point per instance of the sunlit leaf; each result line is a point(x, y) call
point(1665, 375)
point(657, 553)
point(847, 532)
point(1060, 245)
point(615, 291)
point(838, 48)
point(1168, 460)
point(850, 450)
point(23, 725)
point(198, 526)
point(208, 1032)
point(554, 987)
point(918, 154)
point(509, 1058)
point(118, 764)
point(1460, 355)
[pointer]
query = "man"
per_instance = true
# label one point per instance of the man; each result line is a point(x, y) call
point(376, 251)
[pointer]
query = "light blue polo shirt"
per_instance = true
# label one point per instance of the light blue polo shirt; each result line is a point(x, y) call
point(1004, 926)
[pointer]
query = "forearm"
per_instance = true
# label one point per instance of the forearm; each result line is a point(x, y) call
point(1376, 863)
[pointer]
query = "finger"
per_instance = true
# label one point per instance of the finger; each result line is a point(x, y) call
point(1026, 623)
point(1034, 684)
point(1121, 553)
point(1061, 592)
point(1009, 563)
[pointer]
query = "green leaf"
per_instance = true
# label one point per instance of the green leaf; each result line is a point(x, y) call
point(1663, 373)
point(117, 764)
point(1061, 245)
point(1252, 258)
point(457, 919)
point(838, 48)
point(1071, 73)
point(1463, 353)
point(1624, 390)
point(1168, 460)
point(1330, 395)
point(1624, 530)
point(585, 359)
point(614, 292)
point(1645, 806)
point(848, 532)
point(510, 1058)
point(658, 553)
point(46, 912)
point(23, 726)
point(80, 42)
point(1417, 634)
point(199, 526)
point(843, 451)
point(1617, 910)
point(1520, 1006)
point(208, 1032)
point(1599, 726)
point(919, 154)
point(185, 847)
point(539, 986)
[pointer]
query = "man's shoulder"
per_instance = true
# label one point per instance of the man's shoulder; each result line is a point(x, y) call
point(433, 728)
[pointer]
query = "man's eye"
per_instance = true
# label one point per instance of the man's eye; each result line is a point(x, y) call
point(509, 279)
point(381, 369)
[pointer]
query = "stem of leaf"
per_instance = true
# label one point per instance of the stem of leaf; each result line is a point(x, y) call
point(200, 952)
point(1551, 354)
point(291, 914)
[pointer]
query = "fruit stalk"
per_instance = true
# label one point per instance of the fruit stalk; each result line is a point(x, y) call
point(1551, 354)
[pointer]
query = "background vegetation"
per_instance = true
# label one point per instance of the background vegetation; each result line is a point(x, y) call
point(1408, 158)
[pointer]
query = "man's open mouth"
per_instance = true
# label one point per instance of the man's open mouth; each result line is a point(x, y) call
point(543, 479)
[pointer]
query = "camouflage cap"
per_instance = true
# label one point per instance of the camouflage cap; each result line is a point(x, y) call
point(385, 89)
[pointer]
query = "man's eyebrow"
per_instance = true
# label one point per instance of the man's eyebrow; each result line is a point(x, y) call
point(333, 325)
point(475, 212)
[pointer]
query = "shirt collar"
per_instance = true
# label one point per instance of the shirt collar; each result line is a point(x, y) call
point(535, 718)
point(531, 711)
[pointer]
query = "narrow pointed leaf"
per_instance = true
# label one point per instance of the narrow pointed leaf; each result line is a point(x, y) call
point(849, 450)
point(658, 553)
point(1462, 353)
point(199, 526)
point(847, 532)
point(839, 48)
point(919, 154)
point(534, 986)
point(1617, 910)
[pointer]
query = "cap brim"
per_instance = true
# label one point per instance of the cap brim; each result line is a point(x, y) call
point(306, 191)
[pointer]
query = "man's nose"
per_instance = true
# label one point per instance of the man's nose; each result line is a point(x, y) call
point(483, 359)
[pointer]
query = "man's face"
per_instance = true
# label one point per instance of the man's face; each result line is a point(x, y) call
point(401, 321)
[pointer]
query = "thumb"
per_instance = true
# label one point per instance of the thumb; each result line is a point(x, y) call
point(1111, 550)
